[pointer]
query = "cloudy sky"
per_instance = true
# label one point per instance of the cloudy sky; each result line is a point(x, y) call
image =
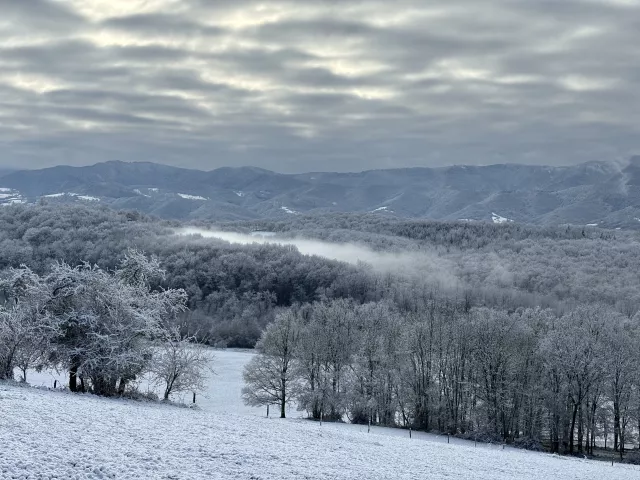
point(318, 85)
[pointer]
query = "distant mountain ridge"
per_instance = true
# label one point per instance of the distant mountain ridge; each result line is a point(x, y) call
point(602, 193)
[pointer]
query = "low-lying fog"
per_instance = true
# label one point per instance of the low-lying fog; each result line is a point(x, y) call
point(421, 263)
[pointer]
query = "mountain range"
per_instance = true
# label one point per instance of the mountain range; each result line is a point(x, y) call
point(606, 194)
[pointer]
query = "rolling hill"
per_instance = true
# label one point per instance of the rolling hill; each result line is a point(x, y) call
point(606, 194)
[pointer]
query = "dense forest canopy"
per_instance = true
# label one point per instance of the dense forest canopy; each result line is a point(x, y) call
point(233, 288)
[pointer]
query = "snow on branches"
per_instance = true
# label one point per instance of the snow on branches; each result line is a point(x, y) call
point(105, 328)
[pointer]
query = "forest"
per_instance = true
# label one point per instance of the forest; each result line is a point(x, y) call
point(512, 333)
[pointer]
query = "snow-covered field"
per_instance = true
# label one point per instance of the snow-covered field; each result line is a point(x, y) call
point(54, 434)
point(223, 389)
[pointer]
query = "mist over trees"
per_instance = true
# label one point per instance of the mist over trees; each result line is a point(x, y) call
point(527, 335)
point(233, 290)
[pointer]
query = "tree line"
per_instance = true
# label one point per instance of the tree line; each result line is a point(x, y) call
point(530, 377)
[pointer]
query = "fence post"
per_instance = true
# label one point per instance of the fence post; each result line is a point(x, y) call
point(447, 438)
point(194, 397)
point(369, 426)
point(55, 384)
point(409, 432)
point(267, 410)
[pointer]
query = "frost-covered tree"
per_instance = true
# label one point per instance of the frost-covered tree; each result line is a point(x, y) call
point(23, 341)
point(269, 376)
point(137, 269)
point(574, 352)
point(26, 329)
point(621, 341)
point(180, 364)
point(325, 355)
point(376, 363)
point(105, 323)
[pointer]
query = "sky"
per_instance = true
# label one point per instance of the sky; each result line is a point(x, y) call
point(311, 85)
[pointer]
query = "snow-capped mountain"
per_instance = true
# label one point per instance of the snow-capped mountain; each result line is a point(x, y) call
point(603, 193)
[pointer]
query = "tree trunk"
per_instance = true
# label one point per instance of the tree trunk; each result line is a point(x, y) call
point(283, 398)
point(622, 436)
point(572, 429)
point(593, 426)
point(580, 429)
point(73, 378)
point(616, 422)
point(122, 386)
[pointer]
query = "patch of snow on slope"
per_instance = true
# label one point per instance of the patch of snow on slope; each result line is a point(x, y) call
point(592, 225)
point(191, 197)
point(498, 219)
point(288, 210)
point(239, 193)
point(137, 191)
point(6, 189)
point(380, 209)
point(57, 195)
point(71, 194)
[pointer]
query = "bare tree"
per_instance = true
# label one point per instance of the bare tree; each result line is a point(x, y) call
point(269, 375)
point(180, 365)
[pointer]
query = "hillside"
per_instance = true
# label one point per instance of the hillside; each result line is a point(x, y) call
point(597, 193)
point(106, 438)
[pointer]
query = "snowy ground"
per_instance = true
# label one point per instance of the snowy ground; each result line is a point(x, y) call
point(223, 389)
point(47, 434)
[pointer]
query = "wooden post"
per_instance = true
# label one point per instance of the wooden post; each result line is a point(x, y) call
point(55, 384)
point(447, 438)
point(194, 397)
point(321, 415)
point(369, 426)
point(267, 411)
point(409, 432)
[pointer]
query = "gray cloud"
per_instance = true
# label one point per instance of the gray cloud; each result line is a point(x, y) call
point(318, 85)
